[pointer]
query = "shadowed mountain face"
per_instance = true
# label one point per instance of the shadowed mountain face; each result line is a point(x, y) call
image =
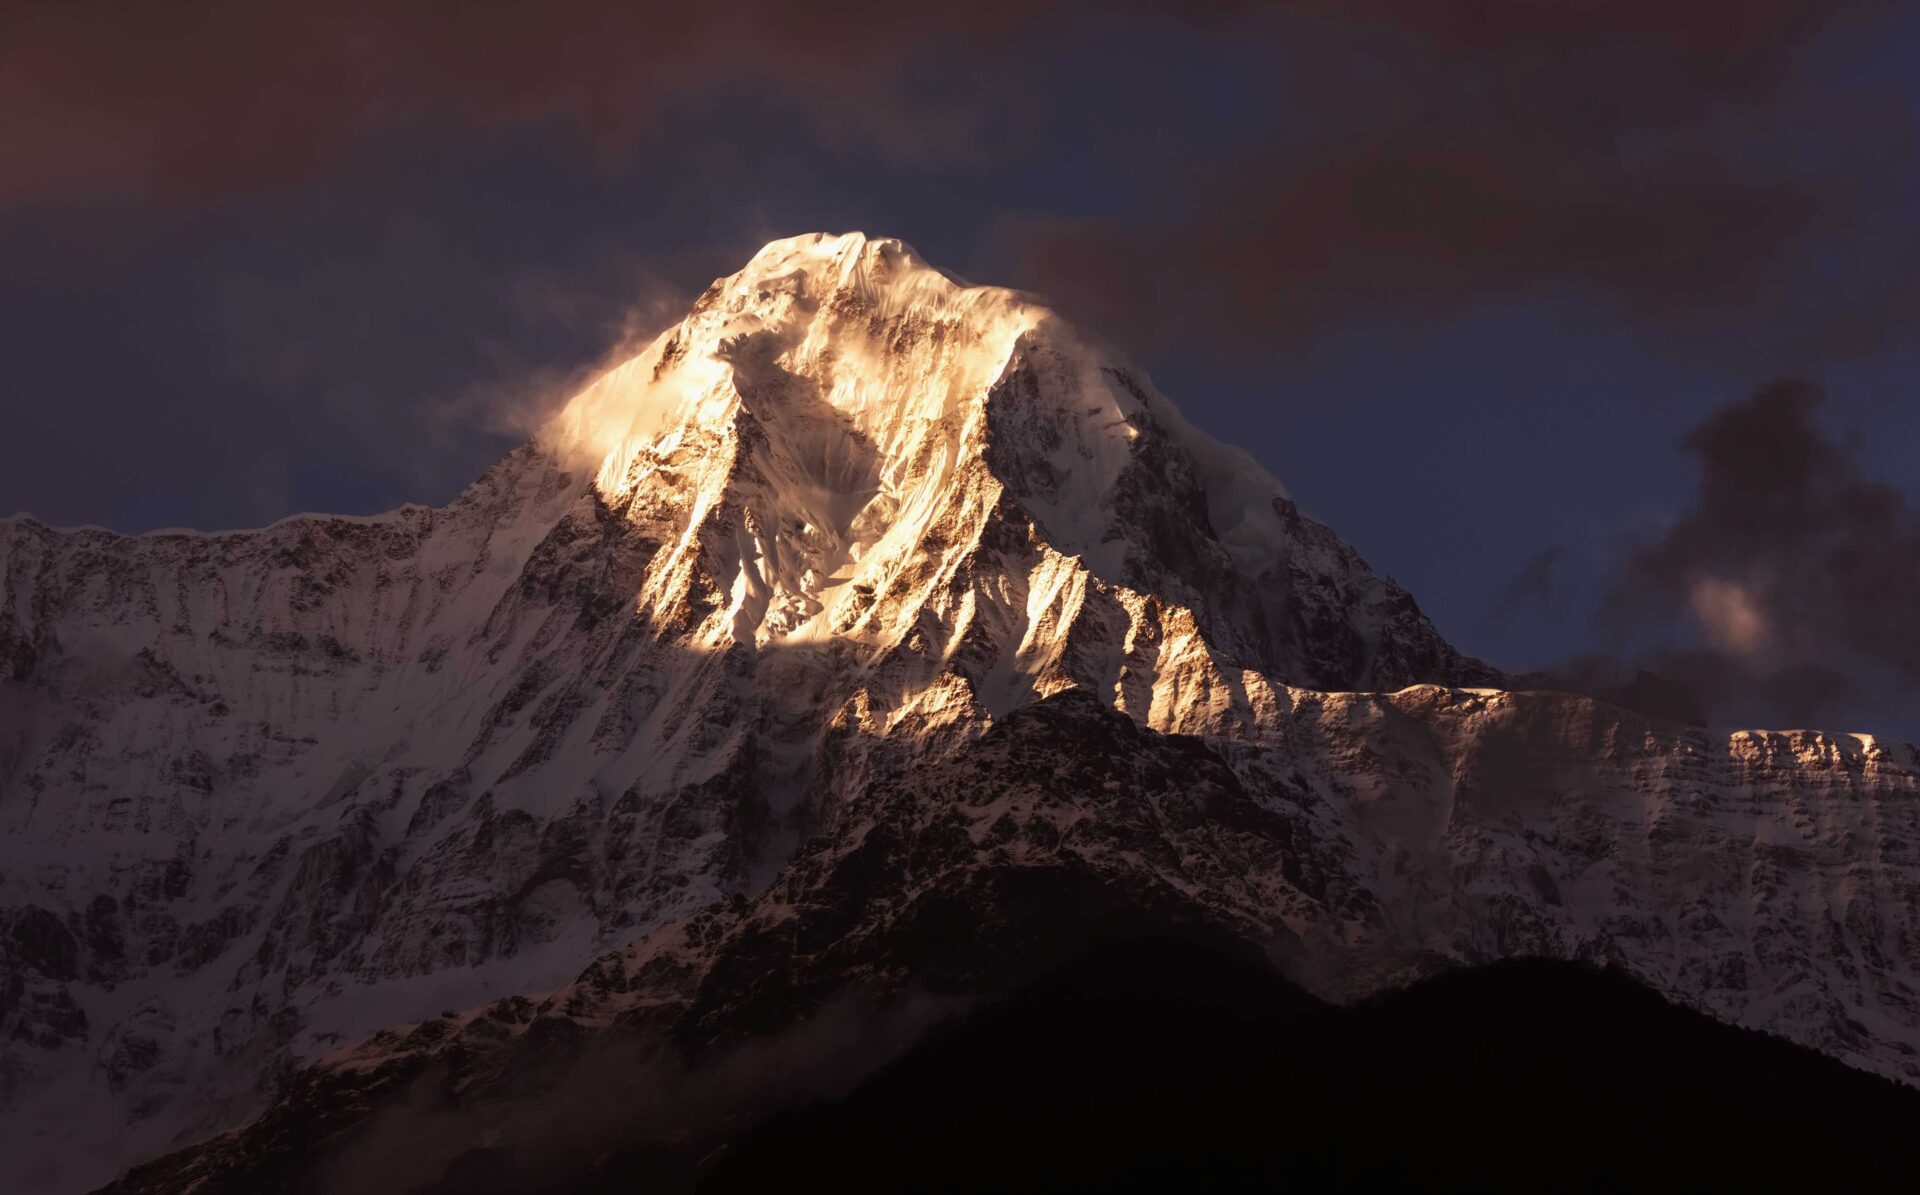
point(1165, 1064)
point(869, 643)
point(1065, 833)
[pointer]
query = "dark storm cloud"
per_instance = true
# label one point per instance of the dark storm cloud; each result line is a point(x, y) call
point(1686, 163)
point(117, 101)
point(1800, 574)
point(1531, 588)
point(1683, 161)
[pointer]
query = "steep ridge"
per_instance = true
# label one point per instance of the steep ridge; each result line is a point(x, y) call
point(267, 792)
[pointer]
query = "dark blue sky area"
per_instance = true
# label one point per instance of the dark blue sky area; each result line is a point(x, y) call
point(1463, 275)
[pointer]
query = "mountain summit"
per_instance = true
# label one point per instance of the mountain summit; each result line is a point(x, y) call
point(867, 629)
point(863, 439)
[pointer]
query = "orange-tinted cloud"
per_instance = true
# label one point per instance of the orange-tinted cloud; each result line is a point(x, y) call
point(107, 100)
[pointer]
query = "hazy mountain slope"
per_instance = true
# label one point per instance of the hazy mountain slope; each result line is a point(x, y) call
point(1064, 828)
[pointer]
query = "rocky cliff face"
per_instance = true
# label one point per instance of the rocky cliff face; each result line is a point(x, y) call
point(1068, 824)
point(737, 666)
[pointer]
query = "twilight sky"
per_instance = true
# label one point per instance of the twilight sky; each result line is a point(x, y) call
point(1499, 289)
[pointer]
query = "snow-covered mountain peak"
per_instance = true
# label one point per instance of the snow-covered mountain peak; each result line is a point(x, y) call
point(826, 308)
point(779, 597)
point(264, 791)
point(852, 400)
point(828, 261)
